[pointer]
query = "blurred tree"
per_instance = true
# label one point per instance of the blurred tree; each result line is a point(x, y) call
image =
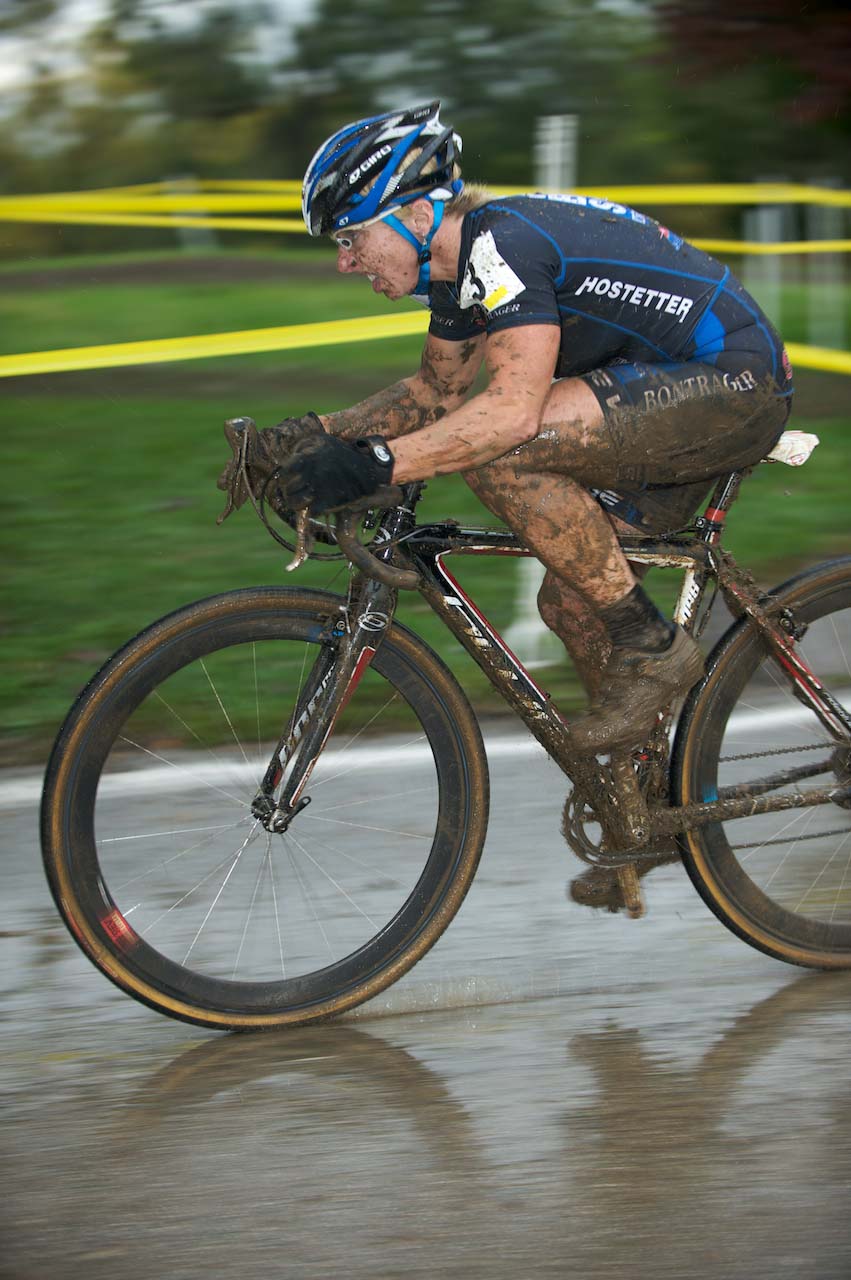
point(773, 75)
point(199, 69)
point(17, 16)
point(672, 90)
point(496, 66)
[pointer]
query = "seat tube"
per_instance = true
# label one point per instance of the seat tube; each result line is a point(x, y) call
point(710, 525)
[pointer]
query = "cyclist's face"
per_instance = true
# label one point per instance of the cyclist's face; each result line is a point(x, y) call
point(381, 254)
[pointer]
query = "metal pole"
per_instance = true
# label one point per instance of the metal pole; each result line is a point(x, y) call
point(825, 276)
point(191, 239)
point(556, 139)
point(762, 273)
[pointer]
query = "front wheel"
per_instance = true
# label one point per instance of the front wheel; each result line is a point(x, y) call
point(781, 881)
point(179, 894)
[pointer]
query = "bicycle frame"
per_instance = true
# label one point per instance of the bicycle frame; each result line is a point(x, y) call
point(611, 789)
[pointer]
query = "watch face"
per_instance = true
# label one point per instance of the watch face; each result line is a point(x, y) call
point(381, 452)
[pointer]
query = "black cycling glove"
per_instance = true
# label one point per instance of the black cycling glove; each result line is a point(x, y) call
point(327, 472)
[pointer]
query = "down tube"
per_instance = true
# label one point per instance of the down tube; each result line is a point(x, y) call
point(503, 668)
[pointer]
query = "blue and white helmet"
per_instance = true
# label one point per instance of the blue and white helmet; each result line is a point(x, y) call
point(366, 170)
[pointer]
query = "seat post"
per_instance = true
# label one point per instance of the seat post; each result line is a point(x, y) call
point(711, 524)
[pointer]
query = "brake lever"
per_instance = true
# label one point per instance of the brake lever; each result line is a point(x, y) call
point(346, 537)
point(303, 540)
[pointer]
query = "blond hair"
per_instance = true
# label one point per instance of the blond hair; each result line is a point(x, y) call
point(472, 197)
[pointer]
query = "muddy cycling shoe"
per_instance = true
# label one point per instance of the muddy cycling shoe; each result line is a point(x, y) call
point(636, 685)
point(600, 887)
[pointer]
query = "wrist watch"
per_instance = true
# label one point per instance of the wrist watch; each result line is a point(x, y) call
point(378, 448)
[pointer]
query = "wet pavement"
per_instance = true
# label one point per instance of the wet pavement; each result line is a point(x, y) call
point(550, 1092)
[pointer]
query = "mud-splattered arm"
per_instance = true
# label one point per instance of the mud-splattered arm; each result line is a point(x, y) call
point(446, 374)
point(521, 363)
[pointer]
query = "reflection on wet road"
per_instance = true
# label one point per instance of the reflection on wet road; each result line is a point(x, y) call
point(548, 1093)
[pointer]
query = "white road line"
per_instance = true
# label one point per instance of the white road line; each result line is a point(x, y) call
point(23, 791)
point(137, 782)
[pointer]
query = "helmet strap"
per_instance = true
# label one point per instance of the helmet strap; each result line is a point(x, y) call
point(423, 247)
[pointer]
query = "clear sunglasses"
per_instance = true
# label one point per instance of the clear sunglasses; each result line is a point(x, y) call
point(347, 242)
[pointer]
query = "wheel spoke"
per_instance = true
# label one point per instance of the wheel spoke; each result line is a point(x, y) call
point(224, 712)
point(334, 882)
point(261, 870)
point(221, 890)
point(185, 769)
point(309, 901)
point(175, 857)
point(337, 851)
point(184, 724)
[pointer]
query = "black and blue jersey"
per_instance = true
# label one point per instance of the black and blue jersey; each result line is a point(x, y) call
point(620, 286)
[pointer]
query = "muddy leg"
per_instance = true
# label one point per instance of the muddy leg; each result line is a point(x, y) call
point(531, 506)
point(579, 628)
point(561, 523)
point(569, 533)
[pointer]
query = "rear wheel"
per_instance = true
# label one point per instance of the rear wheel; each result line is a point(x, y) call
point(782, 881)
point(181, 896)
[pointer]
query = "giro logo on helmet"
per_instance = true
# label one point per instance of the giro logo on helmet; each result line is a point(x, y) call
point(369, 163)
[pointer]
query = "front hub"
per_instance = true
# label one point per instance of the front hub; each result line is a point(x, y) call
point(272, 816)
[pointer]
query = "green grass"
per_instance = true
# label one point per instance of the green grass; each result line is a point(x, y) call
point(82, 314)
point(110, 480)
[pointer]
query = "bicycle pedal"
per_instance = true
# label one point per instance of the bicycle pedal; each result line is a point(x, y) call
point(631, 892)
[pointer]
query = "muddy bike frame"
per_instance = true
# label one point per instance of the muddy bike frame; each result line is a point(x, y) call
point(352, 637)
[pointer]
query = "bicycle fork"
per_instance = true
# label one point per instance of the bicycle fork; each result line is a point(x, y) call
point(347, 647)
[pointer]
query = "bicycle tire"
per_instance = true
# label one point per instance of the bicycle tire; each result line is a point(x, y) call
point(144, 708)
point(781, 882)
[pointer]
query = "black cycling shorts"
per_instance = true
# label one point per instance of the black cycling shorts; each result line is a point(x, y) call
point(674, 428)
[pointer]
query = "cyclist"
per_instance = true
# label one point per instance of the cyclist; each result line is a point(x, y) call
point(626, 369)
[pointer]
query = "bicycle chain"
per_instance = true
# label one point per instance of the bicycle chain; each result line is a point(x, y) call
point(778, 751)
point(811, 835)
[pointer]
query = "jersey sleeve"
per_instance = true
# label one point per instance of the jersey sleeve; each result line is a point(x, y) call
point(512, 272)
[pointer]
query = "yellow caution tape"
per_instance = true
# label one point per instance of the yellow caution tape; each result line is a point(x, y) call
point(747, 193)
point(707, 193)
point(86, 218)
point(251, 184)
point(289, 338)
point(178, 186)
point(269, 194)
point(42, 213)
point(773, 247)
point(241, 342)
point(163, 204)
point(824, 358)
point(170, 202)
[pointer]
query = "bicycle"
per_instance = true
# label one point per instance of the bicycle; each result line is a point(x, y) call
point(247, 904)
